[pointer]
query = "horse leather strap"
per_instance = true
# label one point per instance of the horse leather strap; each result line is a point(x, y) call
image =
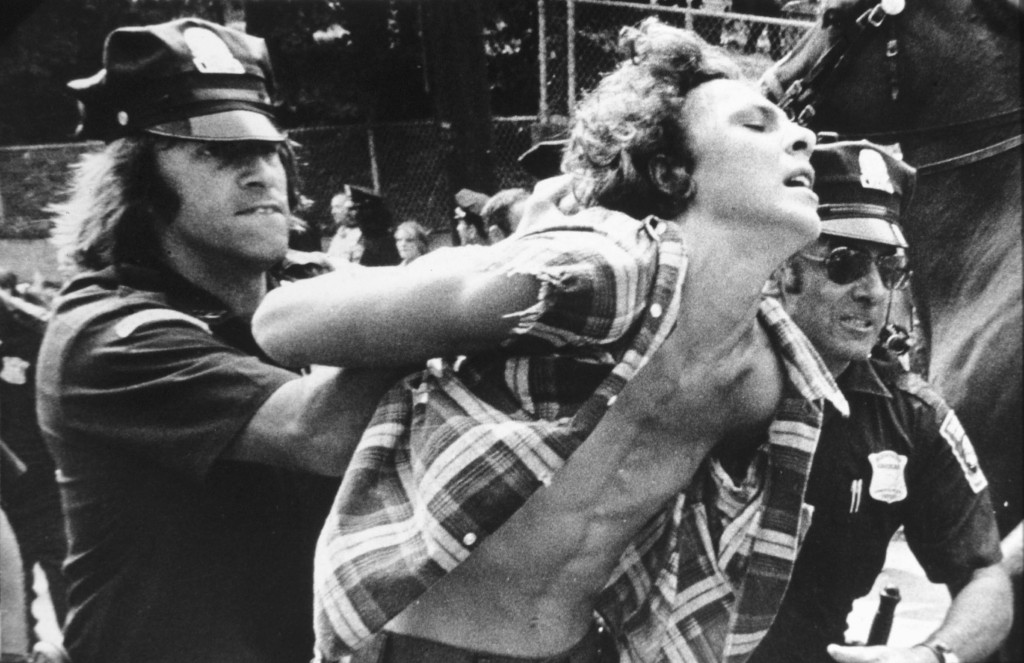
point(1002, 118)
point(803, 94)
point(892, 51)
point(971, 157)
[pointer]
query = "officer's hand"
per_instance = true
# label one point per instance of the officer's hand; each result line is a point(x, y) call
point(880, 654)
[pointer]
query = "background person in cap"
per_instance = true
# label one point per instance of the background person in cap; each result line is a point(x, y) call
point(376, 225)
point(502, 212)
point(364, 229)
point(182, 449)
point(900, 459)
point(544, 159)
point(469, 224)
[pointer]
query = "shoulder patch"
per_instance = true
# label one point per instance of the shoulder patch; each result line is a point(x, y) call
point(130, 324)
point(953, 432)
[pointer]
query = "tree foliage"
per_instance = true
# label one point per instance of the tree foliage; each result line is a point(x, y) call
point(336, 61)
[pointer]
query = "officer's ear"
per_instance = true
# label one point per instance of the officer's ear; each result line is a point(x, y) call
point(791, 278)
point(669, 178)
point(786, 279)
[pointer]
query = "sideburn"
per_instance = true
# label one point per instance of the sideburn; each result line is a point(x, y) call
point(150, 201)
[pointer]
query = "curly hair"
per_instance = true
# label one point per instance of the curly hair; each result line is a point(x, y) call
point(117, 199)
point(636, 113)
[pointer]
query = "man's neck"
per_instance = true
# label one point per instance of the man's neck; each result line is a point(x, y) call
point(728, 267)
point(241, 290)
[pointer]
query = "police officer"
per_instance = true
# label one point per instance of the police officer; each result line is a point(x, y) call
point(901, 459)
point(183, 451)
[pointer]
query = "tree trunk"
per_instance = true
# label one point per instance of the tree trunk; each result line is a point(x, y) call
point(453, 32)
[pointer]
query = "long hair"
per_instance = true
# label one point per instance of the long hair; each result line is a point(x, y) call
point(636, 113)
point(117, 199)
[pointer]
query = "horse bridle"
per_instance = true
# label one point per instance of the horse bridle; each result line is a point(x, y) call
point(800, 100)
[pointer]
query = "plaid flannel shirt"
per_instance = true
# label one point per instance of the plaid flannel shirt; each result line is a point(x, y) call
point(689, 589)
point(449, 457)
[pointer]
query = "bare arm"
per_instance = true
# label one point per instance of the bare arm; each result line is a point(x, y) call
point(313, 423)
point(977, 622)
point(440, 304)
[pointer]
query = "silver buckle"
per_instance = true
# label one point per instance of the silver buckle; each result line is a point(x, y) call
point(876, 16)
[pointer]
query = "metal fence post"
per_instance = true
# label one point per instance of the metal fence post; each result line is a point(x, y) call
point(542, 58)
point(371, 144)
point(570, 44)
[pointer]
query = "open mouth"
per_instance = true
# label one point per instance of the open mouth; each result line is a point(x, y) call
point(263, 209)
point(801, 180)
point(857, 322)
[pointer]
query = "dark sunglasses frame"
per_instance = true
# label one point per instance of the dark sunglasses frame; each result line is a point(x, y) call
point(845, 264)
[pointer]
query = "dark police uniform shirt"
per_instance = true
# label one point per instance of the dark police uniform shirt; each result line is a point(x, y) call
point(144, 381)
point(900, 459)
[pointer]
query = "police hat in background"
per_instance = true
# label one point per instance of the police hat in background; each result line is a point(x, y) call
point(361, 196)
point(471, 202)
point(862, 191)
point(544, 159)
point(187, 78)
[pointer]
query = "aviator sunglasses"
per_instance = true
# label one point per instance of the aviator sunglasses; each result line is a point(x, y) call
point(844, 265)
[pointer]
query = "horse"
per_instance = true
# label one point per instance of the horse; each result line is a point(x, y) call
point(940, 78)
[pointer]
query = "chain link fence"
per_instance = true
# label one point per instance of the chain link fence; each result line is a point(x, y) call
point(580, 36)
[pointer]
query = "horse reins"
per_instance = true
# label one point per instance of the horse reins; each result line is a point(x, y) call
point(802, 96)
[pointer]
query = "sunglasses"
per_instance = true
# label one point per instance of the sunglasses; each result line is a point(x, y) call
point(844, 265)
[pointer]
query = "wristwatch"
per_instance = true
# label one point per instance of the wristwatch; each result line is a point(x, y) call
point(943, 652)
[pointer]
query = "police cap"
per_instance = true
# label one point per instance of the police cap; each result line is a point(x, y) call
point(187, 78)
point(471, 202)
point(544, 159)
point(862, 191)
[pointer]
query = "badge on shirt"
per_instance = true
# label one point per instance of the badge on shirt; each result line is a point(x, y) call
point(953, 432)
point(888, 476)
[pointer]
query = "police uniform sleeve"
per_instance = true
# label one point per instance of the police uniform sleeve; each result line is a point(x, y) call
point(950, 523)
point(159, 386)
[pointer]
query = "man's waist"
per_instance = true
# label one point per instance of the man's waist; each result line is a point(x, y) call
point(597, 646)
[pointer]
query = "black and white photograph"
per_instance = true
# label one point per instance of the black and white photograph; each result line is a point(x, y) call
point(511, 331)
